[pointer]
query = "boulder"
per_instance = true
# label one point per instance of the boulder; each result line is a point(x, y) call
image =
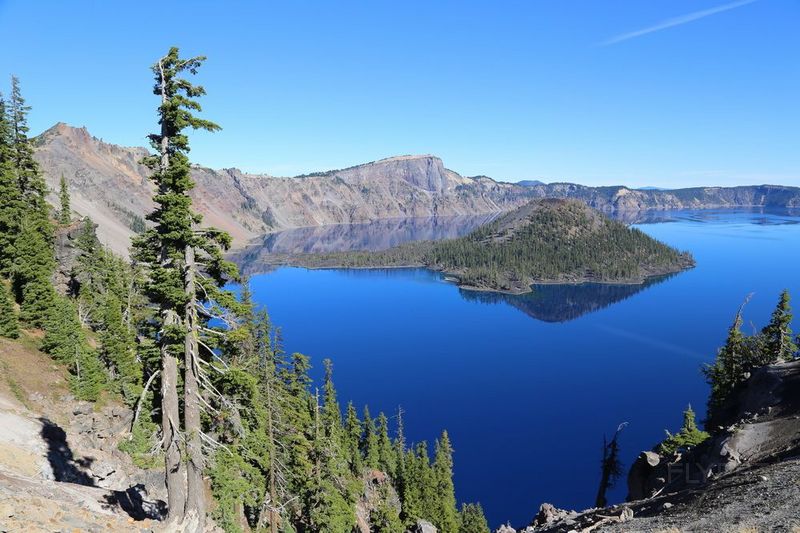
point(548, 514)
point(641, 474)
point(423, 526)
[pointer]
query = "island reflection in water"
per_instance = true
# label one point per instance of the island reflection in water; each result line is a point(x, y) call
point(548, 303)
point(561, 302)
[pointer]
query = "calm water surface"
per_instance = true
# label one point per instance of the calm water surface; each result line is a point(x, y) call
point(527, 386)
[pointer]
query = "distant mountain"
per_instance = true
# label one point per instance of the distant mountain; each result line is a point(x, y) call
point(530, 183)
point(108, 183)
point(650, 188)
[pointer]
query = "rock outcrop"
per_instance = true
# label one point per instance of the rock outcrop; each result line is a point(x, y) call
point(60, 466)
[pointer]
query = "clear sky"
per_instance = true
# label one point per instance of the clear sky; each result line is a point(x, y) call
point(638, 92)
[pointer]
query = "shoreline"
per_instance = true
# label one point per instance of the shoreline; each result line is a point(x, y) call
point(455, 279)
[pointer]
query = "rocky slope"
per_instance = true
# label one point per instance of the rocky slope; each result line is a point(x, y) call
point(60, 468)
point(745, 478)
point(107, 182)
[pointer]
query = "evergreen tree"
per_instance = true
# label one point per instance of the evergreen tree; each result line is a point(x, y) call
point(65, 212)
point(369, 442)
point(331, 413)
point(688, 437)
point(387, 460)
point(472, 519)
point(119, 351)
point(170, 249)
point(353, 432)
point(10, 214)
point(424, 479)
point(33, 244)
point(728, 368)
point(38, 301)
point(610, 466)
point(778, 339)
point(9, 325)
point(331, 499)
point(446, 512)
point(65, 341)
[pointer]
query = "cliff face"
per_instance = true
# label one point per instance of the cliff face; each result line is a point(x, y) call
point(108, 183)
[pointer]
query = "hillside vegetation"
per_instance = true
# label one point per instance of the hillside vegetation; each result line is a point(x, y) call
point(561, 241)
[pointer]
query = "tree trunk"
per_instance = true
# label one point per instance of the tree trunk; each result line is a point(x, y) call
point(170, 427)
point(273, 495)
point(170, 409)
point(195, 502)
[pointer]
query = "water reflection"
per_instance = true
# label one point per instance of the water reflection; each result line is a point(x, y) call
point(562, 303)
point(548, 303)
point(265, 252)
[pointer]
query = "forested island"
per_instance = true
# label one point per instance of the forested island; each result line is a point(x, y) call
point(544, 241)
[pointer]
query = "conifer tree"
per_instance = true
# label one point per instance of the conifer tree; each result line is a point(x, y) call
point(728, 368)
point(472, 519)
point(446, 512)
point(9, 325)
point(688, 437)
point(10, 214)
point(331, 508)
point(65, 212)
point(425, 482)
point(778, 339)
point(387, 460)
point(170, 249)
point(353, 432)
point(369, 442)
point(32, 205)
point(610, 466)
point(118, 350)
point(38, 300)
point(65, 341)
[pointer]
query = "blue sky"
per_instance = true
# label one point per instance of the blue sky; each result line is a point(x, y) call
point(638, 92)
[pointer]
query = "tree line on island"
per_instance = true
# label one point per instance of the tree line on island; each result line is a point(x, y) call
point(544, 241)
point(216, 399)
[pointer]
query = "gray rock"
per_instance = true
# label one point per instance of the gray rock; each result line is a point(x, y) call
point(640, 476)
point(549, 514)
point(423, 526)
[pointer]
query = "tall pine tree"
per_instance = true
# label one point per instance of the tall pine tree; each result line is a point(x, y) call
point(446, 513)
point(170, 249)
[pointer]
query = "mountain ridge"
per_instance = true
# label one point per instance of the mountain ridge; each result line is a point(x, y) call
point(108, 183)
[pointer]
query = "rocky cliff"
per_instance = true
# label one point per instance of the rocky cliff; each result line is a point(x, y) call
point(108, 183)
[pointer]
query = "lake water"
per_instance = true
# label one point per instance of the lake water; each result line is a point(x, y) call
point(528, 386)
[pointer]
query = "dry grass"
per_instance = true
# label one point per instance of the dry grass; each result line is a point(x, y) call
point(28, 373)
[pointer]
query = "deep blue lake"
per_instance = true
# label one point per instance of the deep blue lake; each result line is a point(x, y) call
point(528, 386)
